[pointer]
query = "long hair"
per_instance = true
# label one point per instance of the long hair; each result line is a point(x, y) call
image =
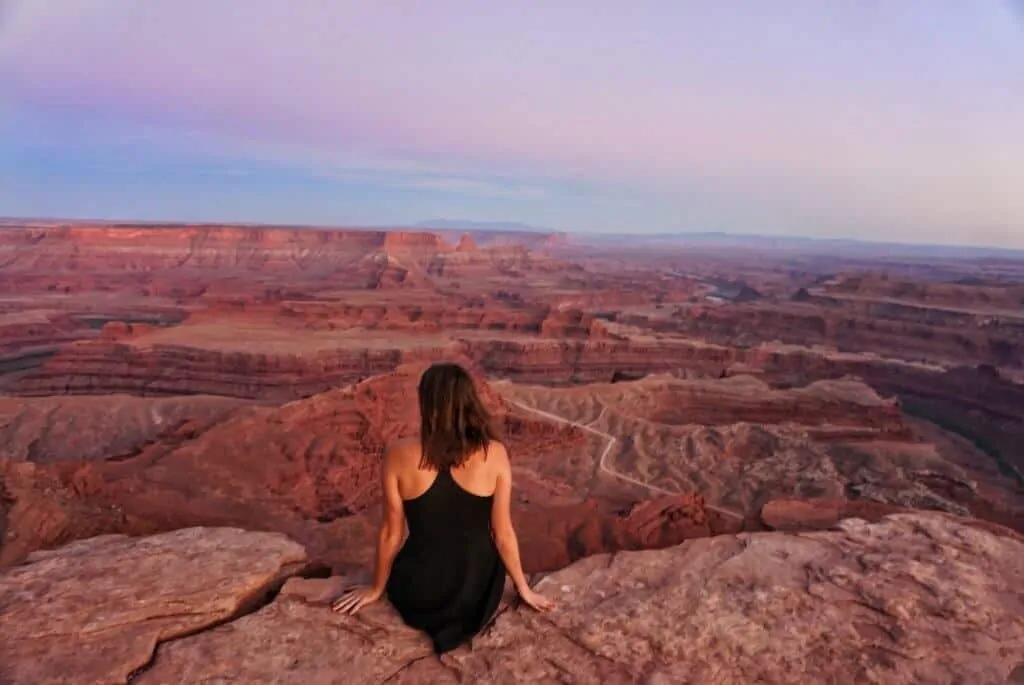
point(453, 421)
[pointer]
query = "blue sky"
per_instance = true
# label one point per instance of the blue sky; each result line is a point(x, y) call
point(868, 119)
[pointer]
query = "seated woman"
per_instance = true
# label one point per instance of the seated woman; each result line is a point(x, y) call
point(453, 486)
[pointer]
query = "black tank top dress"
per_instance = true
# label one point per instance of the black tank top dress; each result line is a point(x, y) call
point(448, 578)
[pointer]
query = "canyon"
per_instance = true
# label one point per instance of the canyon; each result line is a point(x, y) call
point(790, 431)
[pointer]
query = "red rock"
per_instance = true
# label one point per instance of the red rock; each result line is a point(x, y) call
point(466, 243)
point(281, 315)
point(309, 467)
point(825, 514)
point(41, 507)
point(912, 598)
point(50, 429)
point(822, 514)
point(183, 261)
point(883, 602)
point(94, 611)
point(553, 537)
point(298, 469)
point(861, 396)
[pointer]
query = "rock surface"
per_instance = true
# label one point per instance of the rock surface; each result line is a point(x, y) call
point(93, 611)
point(629, 465)
point(912, 598)
point(741, 443)
point(51, 429)
point(278, 314)
point(823, 514)
point(307, 469)
point(915, 598)
point(877, 387)
point(298, 641)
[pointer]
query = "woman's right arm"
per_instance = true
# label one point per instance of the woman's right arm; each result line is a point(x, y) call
point(505, 535)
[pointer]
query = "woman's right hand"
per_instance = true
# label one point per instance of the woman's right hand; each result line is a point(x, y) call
point(537, 600)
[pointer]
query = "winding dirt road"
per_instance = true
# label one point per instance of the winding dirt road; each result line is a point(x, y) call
point(602, 460)
point(611, 440)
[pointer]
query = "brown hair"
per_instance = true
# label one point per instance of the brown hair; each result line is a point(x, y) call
point(454, 423)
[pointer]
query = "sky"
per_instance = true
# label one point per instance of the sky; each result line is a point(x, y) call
point(871, 119)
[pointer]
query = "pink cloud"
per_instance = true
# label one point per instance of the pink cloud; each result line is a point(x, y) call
point(870, 102)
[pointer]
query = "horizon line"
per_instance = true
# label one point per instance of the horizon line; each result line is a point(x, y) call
point(420, 226)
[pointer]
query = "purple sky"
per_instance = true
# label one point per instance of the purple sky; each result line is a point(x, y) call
point(874, 119)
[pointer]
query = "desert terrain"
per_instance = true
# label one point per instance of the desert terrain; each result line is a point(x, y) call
point(237, 385)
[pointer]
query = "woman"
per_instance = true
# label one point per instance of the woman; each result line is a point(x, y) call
point(453, 486)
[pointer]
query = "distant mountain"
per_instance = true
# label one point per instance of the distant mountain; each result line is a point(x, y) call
point(846, 246)
point(463, 225)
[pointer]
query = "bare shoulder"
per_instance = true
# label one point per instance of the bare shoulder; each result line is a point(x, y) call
point(497, 451)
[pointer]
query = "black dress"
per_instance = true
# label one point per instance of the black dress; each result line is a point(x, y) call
point(448, 578)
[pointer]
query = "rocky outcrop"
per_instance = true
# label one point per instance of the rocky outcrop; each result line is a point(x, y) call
point(245, 262)
point(308, 469)
point(466, 243)
point(414, 315)
point(958, 295)
point(589, 463)
point(843, 408)
point(824, 514)
point(578, 350)
point(562, 362)
point(100, 367)
point(44, 506)
point(154, 248)
point(94, 611)
point(720, 426)
point(292, 641)
point(33, 332)
point(280, 370)
point(274, 352)
point(741, 443)
point(50, 429)
point(554, 536)
point(914, 598)
point(305, 468)
point(911, 598)
point(903, 330)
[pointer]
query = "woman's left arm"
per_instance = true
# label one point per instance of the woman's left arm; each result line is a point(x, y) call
point(389, 539)
point(392, 524)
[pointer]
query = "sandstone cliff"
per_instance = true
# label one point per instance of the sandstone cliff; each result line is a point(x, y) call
point(250, 261)
point(914, 598)
point(307, 468)
point(625, 465)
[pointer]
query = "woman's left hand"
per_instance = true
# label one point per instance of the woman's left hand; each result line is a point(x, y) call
point(355, 599)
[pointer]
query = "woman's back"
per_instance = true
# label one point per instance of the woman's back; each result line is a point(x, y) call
point(476, 474)
point(448, 503)
point(448, 577)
